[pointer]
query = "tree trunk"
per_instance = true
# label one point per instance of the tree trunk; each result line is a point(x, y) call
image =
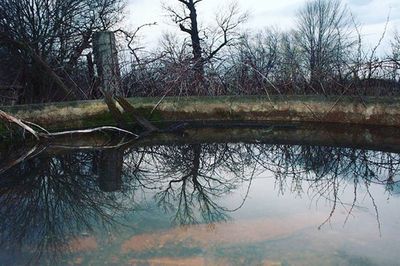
point(198, 61)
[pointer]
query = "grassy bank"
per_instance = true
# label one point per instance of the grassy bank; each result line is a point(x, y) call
point(83, 114)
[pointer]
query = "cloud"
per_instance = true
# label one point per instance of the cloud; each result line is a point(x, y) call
point(360, 2)
point(373, 12)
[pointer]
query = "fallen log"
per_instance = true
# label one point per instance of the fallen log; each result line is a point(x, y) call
point(115, 112)
point(143, 122)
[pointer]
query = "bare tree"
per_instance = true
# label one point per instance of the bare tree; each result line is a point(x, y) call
point(323, 36)
point(255, 59)
point(187, 21)
point(47, 37)
point(395, 56)
point(396, 45)
point(187, 18)
point(290, 77)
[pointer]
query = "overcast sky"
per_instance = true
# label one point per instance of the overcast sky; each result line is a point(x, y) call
point(371, 14)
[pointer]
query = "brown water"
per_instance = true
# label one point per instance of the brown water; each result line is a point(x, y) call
point(200, 204)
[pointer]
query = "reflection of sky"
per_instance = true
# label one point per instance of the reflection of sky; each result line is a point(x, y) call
point(396, 189)
point(265, 200)
point(277, 227)
point(371, 14)
point(273, 225)
point(359, 237)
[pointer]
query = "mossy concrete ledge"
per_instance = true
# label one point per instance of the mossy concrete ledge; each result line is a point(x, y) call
point(382, 111)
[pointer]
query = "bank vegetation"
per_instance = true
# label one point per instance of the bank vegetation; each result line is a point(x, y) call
point(46, 53)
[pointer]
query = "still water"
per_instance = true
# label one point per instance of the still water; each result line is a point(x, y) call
point(199, 203)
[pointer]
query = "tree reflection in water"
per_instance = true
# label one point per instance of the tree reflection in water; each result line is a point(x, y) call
point(50, 198)
point(193, 177)
point(47, 200)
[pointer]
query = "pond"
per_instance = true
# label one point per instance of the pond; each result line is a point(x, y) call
point(205, 197)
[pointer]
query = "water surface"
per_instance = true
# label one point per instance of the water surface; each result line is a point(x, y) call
point(200, 203)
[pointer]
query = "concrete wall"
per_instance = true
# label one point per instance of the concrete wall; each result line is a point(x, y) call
point(369, 111)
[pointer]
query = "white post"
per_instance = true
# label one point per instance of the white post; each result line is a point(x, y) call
point(106, 60)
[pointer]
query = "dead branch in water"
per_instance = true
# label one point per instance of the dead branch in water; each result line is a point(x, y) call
point(45, 134)
point(41, 133)
point(11, 119)
point(92, 130)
